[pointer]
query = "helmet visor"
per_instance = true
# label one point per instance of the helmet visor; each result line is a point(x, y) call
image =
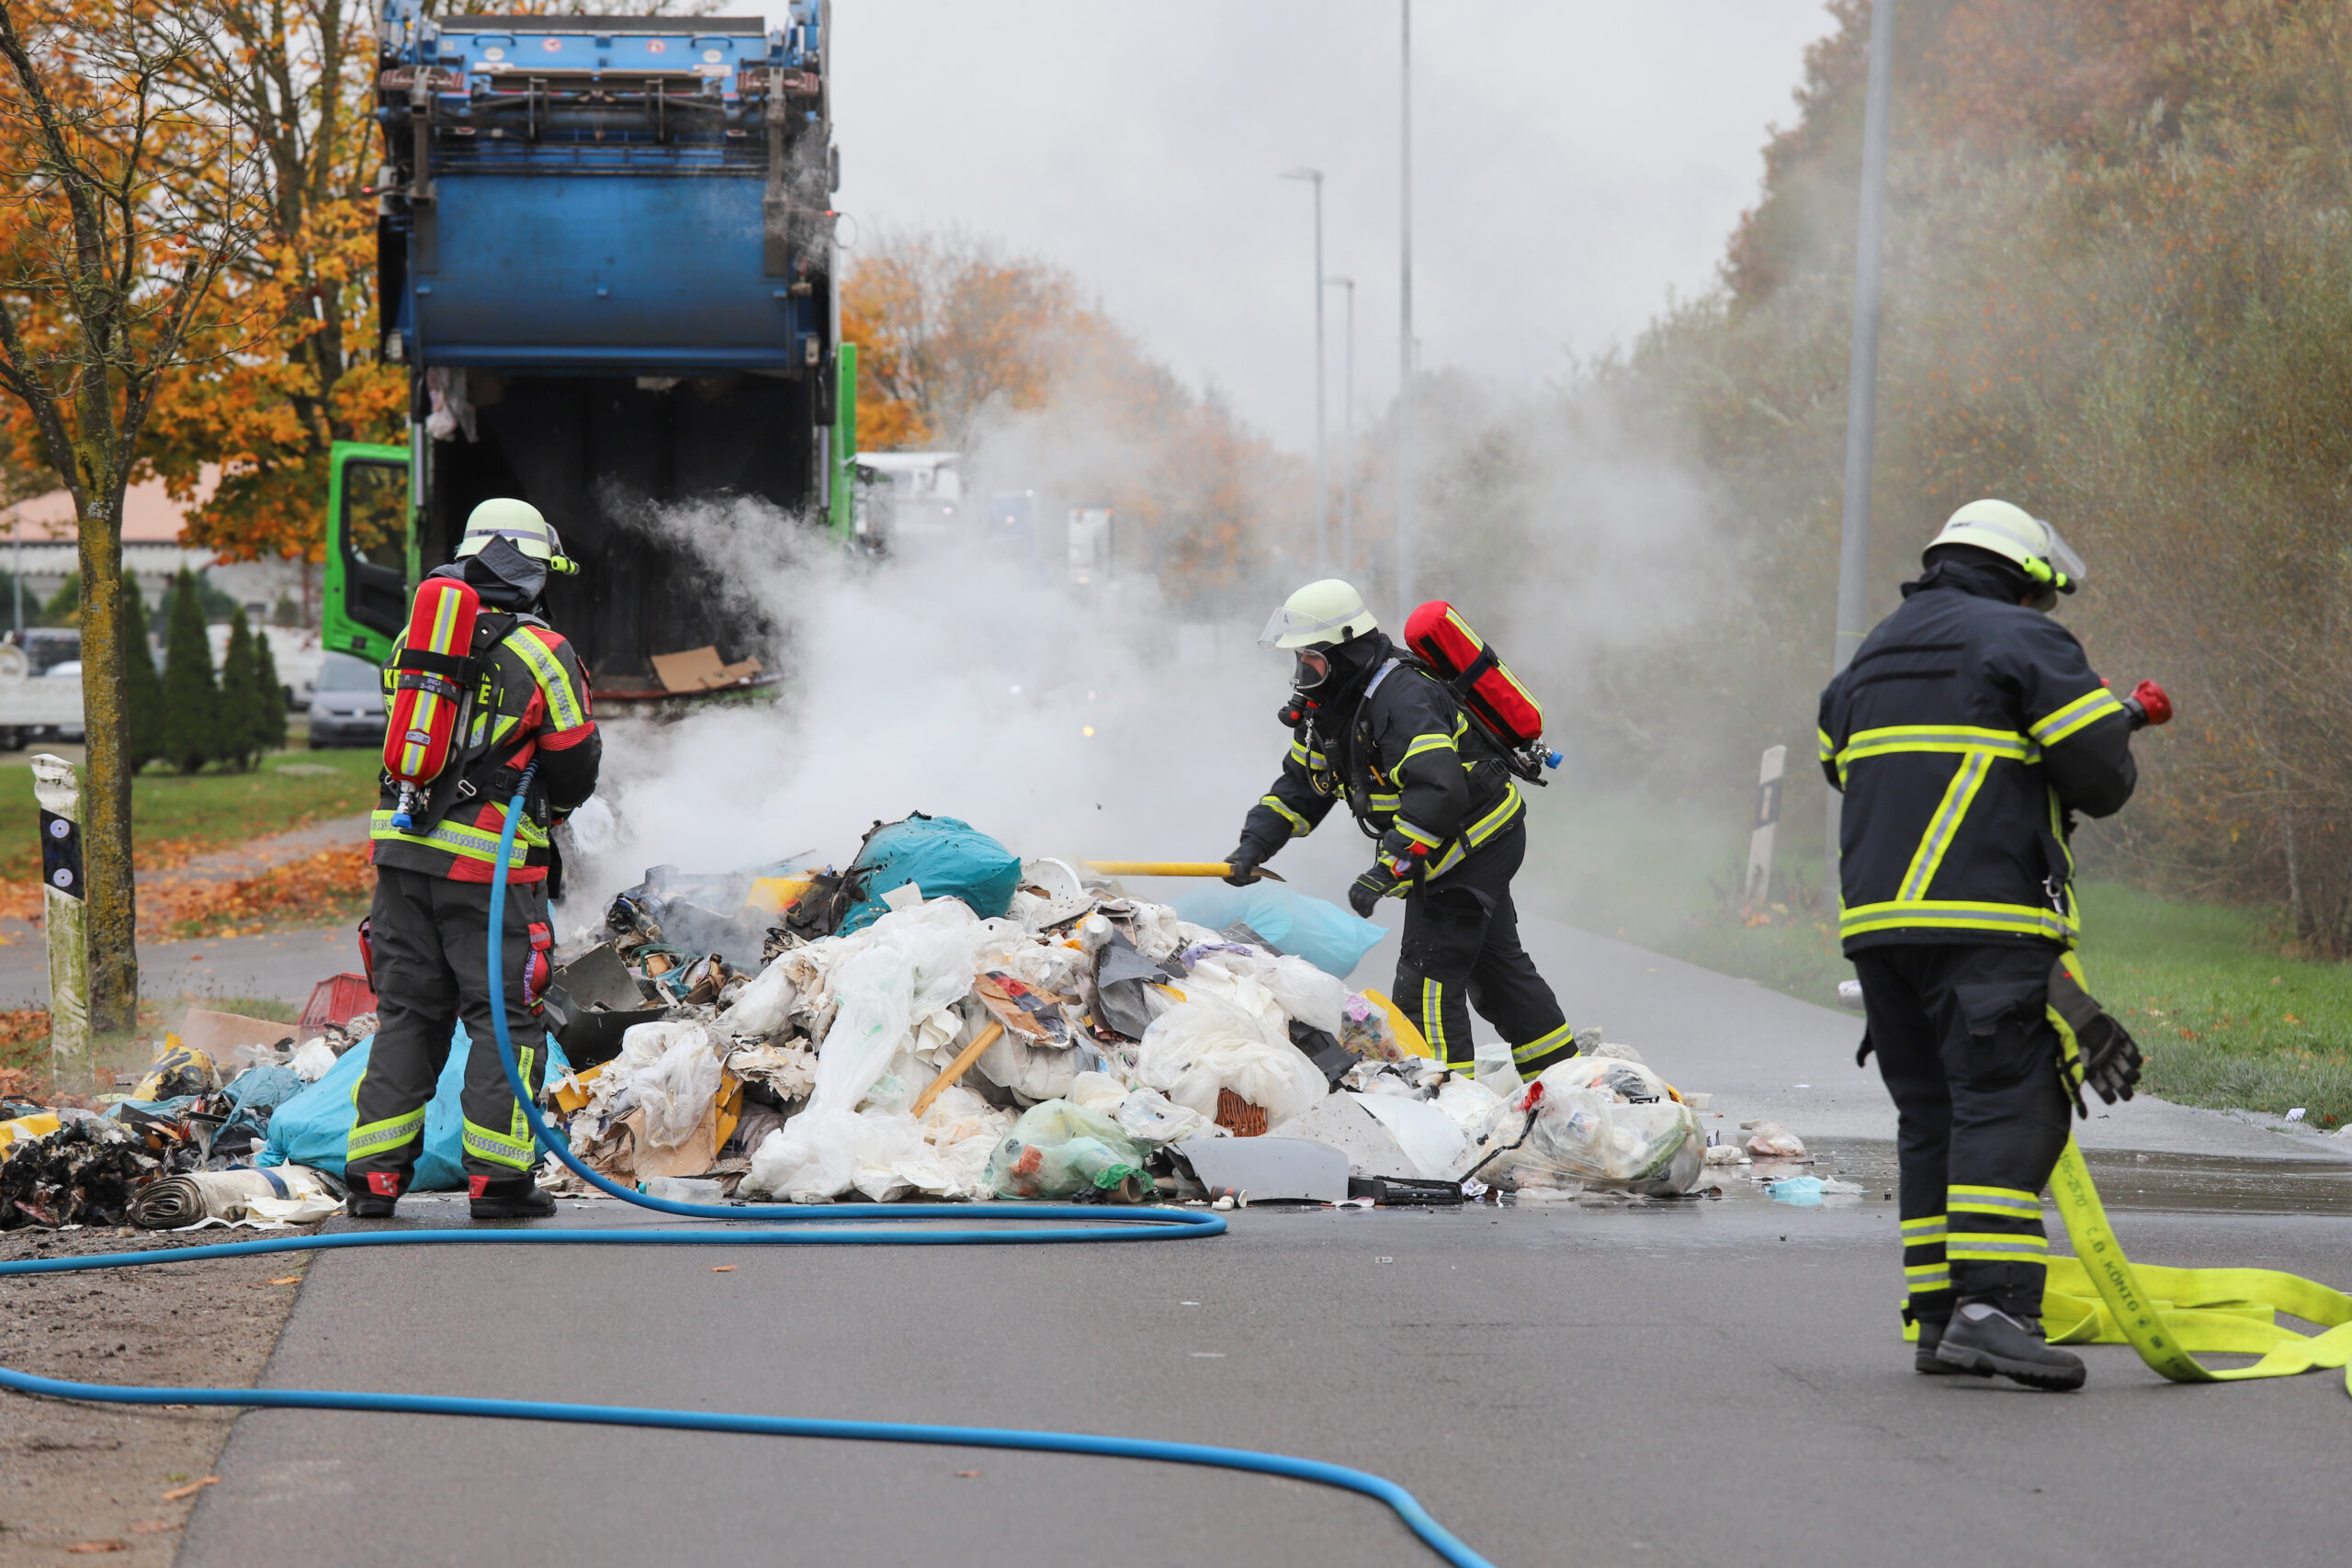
point(2062, 556)
point(1313, 669)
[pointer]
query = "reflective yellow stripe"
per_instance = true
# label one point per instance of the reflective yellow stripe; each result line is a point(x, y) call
point(1897, 738)
point(1926, 1227)
point(1311, 760)
point(1829, 748)
point(1485, 828)
point(473, 843)
point(1542, 1043)
point(1960, 915)
point(1433, 1019)
point(1939, 1281)
point(2076, 716)
point(1996, 1246)
point(389, 1133)
point(1299, 826)
point(495, 1146)
point(1416, 834)
point(1426, 743)
point(1944, 825)
point(1388, 803)
point(563, 700)
point(2006, 1200)
point(1915, 1272)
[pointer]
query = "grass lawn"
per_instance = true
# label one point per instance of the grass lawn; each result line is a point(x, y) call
point(2224, 1020)
point(203, 811)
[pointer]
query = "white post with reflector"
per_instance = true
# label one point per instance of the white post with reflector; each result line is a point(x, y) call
point(67, 917)
point(1759, 886)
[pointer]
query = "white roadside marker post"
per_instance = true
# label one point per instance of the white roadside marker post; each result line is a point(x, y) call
point(67, 917)
point(1758, 887)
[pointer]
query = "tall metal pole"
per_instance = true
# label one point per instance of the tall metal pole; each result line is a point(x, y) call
point(1861, 389)
point(1322, 461)
point(1407, 475)
point(1348, 435)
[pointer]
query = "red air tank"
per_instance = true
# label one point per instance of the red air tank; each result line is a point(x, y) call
point(432, 668)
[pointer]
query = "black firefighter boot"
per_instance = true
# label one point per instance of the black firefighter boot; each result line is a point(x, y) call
point(514, 1197)
point(1924, 1358)
point(1983, 1339)
point(373, 1194)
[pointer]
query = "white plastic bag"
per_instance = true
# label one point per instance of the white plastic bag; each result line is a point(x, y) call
point(1059, 1150)
point(866, 1032)
point(1300, 989)
point(1149, 1117)
point(313, 1061)
point(1193, 1050)
point(676, 1092)
point(1606, 1121)
point(1098, 1092)
point(812, 1156)
point(1032, 1072)
point(761, 1007)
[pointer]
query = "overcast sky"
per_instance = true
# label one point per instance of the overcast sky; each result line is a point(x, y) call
point(1575, 161)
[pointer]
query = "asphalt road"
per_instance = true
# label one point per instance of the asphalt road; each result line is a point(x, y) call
point(1696, 1382)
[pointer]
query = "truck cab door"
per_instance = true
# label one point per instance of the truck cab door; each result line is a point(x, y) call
point(371, 556)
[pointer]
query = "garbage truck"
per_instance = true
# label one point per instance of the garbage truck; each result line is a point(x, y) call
point(605, 254)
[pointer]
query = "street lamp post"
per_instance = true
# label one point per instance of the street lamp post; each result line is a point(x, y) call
point(1322, 469)
point(1405, 478)
point(1861, 391)
point(1347, 432)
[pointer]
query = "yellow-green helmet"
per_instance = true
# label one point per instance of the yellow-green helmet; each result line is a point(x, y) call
point(1320, 614)
point(504, 517)
point(2016, 534)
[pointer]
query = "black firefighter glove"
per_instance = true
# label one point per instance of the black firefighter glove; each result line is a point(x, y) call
point(1365, 892)
point(1241, 865)
point(2105, 1056)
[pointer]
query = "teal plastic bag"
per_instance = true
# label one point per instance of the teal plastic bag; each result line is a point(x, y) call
point(943, 857)
point(1332, 939)
point(314, 1127)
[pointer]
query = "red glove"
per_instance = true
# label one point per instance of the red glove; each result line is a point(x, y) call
point(2148, 705)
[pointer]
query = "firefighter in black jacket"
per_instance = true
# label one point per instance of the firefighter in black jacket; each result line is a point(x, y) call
point(430, 922)
point(1370, 724)
point(1966, 735)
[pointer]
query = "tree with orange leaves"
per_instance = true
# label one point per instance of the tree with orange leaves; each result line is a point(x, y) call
point(108, 286)
point(295, 81)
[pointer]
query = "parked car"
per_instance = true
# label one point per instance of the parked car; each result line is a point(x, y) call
point(348, 709)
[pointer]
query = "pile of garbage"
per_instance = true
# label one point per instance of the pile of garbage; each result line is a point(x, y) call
point(944, 1020)
point(183, 1144)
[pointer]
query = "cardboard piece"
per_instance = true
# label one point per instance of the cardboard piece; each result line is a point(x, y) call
point(218, 1034)
point(699, 670)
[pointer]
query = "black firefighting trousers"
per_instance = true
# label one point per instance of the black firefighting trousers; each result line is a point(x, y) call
point(432, 968)
point(1966, 1046)
point(1460, 950)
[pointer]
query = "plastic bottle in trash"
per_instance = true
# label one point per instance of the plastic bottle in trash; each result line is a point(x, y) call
point(682, 1189)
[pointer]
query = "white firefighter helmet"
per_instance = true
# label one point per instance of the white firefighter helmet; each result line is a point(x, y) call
point(1320, 614)
point(2016, 534)
point(502, 517)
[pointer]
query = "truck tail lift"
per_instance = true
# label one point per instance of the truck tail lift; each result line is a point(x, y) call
point(604, 252)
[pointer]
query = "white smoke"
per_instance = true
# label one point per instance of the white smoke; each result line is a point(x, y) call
point(958, 677)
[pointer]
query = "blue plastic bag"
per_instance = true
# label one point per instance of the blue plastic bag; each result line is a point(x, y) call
point(314, 1127)
point(943, 857)
point(1332, 939)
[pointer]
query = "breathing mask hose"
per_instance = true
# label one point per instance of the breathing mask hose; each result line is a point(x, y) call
point(783, 1225)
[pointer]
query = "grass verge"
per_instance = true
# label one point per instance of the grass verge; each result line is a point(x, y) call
point(175, 816)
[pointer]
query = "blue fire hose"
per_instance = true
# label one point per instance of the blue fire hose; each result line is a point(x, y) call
point(797, 1226)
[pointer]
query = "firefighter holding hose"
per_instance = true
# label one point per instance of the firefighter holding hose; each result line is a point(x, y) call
point(519, 695)
point(1435, 792)
point(1967, 735)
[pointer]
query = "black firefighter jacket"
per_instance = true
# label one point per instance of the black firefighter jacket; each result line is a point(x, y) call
point(1417, 773)
point(1965, 734)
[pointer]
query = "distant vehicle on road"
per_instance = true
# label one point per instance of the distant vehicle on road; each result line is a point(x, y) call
point(348, 709)
point(40, 687)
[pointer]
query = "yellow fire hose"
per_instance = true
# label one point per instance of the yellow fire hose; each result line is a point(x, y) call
point(2168, 1315)
point(1173, 868)
point(2097, 1297)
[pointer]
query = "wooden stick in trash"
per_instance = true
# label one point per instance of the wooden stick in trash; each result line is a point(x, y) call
point(958, 1068)
point(1172, 868)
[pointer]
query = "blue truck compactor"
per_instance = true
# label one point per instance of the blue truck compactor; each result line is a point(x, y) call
point(605, 256)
